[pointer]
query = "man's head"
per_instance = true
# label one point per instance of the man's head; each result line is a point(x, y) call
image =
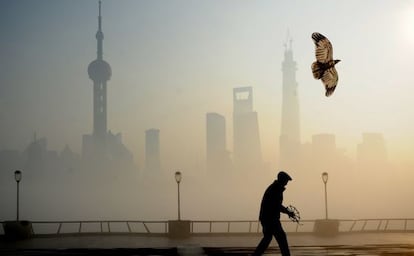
point(283, 178)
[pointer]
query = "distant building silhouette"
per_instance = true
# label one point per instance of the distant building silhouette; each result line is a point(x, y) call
point(36, 154)
point(289, 140)
point(10, 160)
point(39, 161)
point(247, 149)
point(152, 150)
point(70, 160)
point(217, 156)
point(324, 152)
point(102, 149)
point(372, 150)
point(324, 144)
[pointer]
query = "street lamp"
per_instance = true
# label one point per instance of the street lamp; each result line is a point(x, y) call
point(325, 180)
point(17, 178)
point(178, 180)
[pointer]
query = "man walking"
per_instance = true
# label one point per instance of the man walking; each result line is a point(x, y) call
point(270, 210)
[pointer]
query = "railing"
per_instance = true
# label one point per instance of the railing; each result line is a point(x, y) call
point(202, 227)
point(243, 227)
point(378, 225)
point(99, 227)
point(306, 226)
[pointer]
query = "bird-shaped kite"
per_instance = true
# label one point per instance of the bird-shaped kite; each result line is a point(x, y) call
point(324, 66)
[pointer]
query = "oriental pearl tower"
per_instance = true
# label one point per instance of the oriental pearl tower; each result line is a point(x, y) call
point(99, 72)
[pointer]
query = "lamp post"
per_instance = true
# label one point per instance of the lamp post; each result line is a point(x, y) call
point(17, 178)
point(178, 180)
point(325, 180)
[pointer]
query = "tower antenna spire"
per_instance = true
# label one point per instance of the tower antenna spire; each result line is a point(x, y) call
point(99, 35)
point(288, 43)
point(100, 17)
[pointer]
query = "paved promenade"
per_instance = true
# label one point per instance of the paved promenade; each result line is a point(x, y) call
point(381, 244)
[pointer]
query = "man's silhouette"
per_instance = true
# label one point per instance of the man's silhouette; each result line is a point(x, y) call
point(270, 210)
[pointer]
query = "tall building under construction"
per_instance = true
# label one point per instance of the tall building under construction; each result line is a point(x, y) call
point(289, 140)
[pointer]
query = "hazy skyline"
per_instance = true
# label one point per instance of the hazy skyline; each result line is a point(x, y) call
point(174, 61)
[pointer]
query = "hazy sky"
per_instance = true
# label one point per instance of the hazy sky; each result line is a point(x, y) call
point(173, 61)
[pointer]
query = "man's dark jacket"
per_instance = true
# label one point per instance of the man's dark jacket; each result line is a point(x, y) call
point(272, 203)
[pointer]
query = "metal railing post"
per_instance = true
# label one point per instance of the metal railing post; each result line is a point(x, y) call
point(146, 228)
point(352, 227)
point(129, 228)
point(379, 225)
point(60, 226)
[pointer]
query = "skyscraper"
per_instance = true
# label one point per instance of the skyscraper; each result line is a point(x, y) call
point(99, 72)
point(246, 150)
point(103, 149)
point(289, 139)
point(152, 150)
point(324, 152)
point(216, 154)
point(372, 150)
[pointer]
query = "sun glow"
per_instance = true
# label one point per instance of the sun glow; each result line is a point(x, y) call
point(407, 24)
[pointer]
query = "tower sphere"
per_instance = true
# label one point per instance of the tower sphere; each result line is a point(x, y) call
point(99, 70)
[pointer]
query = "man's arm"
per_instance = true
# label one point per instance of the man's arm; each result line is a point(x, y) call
point(286, 211)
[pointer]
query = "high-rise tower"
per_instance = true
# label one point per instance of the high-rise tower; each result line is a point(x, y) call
point(152, 150)
point(103, 149)
point(217, 156)
point(99, 72)
point(290, 126)
point(246, 150)
point(372, 150)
